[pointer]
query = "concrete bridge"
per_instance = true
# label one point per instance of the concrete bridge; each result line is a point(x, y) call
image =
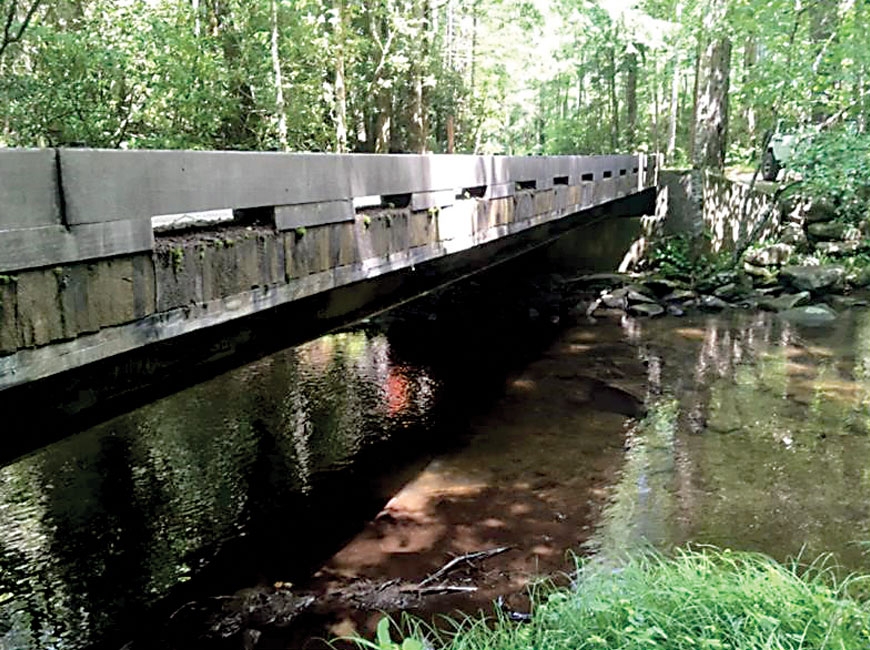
point(85, 278)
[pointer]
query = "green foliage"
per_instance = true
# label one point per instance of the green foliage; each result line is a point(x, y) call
point(699, 599)
point(501, 76)
point(681, 256)
point(177, 255)
point(385, 641)
point(835, 165)
point(673, 256)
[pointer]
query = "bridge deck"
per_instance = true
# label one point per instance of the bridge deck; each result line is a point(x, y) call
point(83, 276)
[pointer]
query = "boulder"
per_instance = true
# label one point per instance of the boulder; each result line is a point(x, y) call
point(819, 210)
point(729, 291)
point(635, 297)
point(675, 310)
point(770, 255)
point(784, 302)
point(712, 303)
point(617, 299)
point(810, 316)
point(860, 278)
point(792, 208)
point(814, 278)
point(793, 234)
point(679, 295)
point(646, 309)
point(640, 288)
point(846, 302)
point(661, 287)
point(839, 248)
point(761, 275)
point(834, 231)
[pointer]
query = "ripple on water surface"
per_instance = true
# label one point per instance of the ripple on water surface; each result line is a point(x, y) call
point(757, 437)
point(101, 523)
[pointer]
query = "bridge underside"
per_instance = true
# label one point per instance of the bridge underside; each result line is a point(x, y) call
point(147, 370)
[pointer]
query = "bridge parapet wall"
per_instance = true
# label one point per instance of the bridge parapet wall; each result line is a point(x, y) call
point(83, 276)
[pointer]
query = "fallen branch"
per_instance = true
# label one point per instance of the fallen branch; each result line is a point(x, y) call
point(442, 589)
point(468, 557)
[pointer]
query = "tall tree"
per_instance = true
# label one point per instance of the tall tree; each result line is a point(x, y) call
point(711, 114)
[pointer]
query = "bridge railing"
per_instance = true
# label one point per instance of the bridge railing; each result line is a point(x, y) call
point(59, 206)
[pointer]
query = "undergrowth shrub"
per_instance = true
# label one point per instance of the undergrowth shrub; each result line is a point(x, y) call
point(699, 599)
point(835, 165)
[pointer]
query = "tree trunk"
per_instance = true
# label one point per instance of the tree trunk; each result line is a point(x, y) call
point(711, 121)
point(750, 58)
point(861, 89)
point(674, 110)
point(280, 105)
point(197, 21)
point(418, 119)
point(237, 130)
point(13, 31)
point(383, 128)
point(823, 30)
point(614, 100)
point(340, 88)
point(631, 99)
point(695, 91)
point(656, 108)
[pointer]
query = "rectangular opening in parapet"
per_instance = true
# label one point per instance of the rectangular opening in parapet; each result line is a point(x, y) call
point(587, 177)
point(476, 192)
point(366, 202)
point(634, 170)
point(526, 185)
point(395, 200)
point(623, 172)
point(608, 174)
point(560, 180)
point(164, 224)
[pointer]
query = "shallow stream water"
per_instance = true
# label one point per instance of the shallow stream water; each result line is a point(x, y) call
point(474, 423)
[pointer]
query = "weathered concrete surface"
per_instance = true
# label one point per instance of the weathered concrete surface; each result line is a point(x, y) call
point(8, 308)
point(239, 330)
point(73, 313)
point(20, 170)
point(692, 202)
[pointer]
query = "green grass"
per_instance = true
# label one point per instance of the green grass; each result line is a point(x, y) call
point(699, 599)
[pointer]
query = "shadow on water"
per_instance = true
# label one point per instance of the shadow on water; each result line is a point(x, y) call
point(259, 473)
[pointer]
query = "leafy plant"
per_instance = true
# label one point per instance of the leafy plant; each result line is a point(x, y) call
point(384, 640)
point(681, 256)
point(835, 166)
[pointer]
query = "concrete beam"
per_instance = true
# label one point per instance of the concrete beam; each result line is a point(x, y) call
point(28, 189)
point(111, 185)
point(28, 248)
point(288, 217)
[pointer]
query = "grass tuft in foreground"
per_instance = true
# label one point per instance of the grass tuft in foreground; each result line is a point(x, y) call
point(700, 599)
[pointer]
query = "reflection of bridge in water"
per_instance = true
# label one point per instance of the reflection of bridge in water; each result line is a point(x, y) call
point(91, 274)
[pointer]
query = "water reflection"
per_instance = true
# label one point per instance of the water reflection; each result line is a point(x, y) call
point(95, 526)
point(759, 440)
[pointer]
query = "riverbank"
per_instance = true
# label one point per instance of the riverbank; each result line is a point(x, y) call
point(700, 598)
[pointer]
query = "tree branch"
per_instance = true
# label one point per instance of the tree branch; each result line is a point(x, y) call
point(8, 37)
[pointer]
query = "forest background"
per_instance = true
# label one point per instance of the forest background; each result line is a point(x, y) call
point(699, 80)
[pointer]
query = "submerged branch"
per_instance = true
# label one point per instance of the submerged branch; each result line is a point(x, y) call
point(468, 557)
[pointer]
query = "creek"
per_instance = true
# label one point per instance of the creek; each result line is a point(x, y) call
point(482, 416)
